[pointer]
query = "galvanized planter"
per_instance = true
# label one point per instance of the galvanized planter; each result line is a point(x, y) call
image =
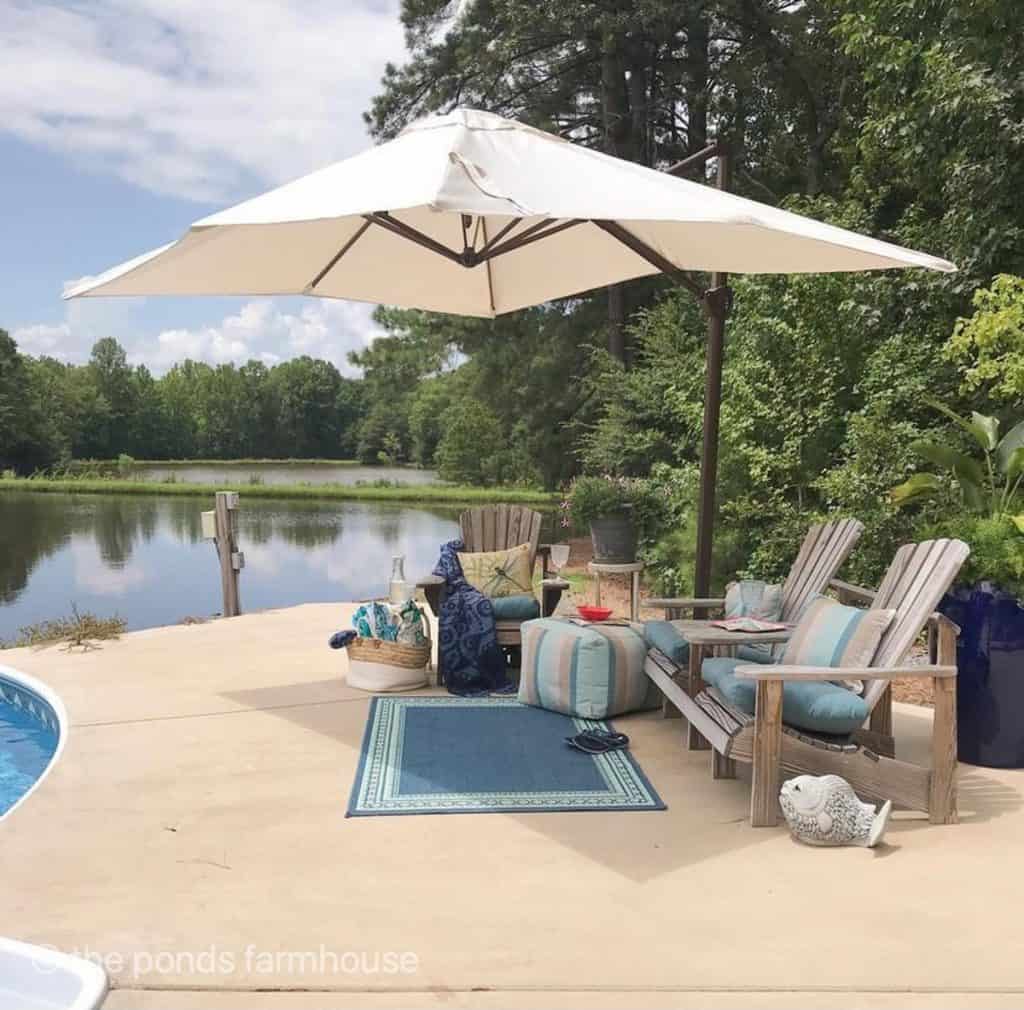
point(614, 539)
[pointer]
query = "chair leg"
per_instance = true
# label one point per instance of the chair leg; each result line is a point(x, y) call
point(764, 789)
point(694, 738)
point(722, 767)
point(942, 790)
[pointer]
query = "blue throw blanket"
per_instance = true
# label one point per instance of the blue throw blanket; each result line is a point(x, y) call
point(471, 658)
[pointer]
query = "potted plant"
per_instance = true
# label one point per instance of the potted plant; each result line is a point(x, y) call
point(986, 602)
point(616, 509)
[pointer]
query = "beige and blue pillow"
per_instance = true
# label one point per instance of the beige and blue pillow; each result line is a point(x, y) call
point(831, 634)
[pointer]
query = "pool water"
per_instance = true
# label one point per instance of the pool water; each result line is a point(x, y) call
point(26, 747)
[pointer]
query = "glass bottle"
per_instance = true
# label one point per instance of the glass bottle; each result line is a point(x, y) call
point(399, 591)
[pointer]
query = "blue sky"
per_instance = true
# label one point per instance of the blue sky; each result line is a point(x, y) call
point(122, 121)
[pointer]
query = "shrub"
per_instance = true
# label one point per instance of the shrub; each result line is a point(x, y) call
point(997, 549)
point(991, 342)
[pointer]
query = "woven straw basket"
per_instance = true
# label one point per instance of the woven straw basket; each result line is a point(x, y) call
point(376, 650)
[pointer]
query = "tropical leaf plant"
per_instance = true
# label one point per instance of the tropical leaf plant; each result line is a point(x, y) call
point(990, 481)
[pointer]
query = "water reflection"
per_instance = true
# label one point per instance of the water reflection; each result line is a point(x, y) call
point(143, 557)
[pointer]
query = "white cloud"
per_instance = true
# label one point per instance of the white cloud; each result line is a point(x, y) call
point(260, 329)
point(202, 99)
point(210, 100)
point(99, 576)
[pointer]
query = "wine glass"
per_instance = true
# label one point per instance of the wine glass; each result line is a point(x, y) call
point(559, 557)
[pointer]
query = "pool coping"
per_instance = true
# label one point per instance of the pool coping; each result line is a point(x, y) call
point(44, 693)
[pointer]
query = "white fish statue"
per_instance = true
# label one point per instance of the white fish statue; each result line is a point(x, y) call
point(824, 810)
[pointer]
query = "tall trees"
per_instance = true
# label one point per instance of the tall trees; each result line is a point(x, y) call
point(306, 391)
point(27, 436)
point(52, 411)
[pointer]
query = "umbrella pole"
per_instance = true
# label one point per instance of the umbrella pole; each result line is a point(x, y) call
point(717, 302)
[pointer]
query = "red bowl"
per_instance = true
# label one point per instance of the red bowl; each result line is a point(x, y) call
point(594, 613)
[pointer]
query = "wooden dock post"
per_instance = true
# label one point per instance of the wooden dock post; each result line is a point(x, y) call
point(232, 560)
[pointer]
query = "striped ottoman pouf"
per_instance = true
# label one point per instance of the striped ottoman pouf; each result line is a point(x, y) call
point(593, 671)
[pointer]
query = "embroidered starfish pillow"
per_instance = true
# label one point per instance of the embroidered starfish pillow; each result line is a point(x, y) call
point(499, 573)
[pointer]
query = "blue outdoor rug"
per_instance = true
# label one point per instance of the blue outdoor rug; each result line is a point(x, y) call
point(437, 755)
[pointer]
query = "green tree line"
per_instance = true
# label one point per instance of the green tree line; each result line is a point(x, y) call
point(51, 411)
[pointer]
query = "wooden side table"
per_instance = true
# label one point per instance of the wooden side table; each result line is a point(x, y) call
point(599, 568)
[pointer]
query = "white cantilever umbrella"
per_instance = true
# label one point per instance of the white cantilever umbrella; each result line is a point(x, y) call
point(474, 214)
point(478, 215)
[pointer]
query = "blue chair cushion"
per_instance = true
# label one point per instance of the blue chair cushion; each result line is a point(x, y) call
point(521, 607)
point(756, 654)
point(817, 706)
point(669, 639)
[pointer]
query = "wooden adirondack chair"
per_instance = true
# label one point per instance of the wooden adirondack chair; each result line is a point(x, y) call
point(826, 546)
point(821, 555)
point(495, 528)
point(913, 586)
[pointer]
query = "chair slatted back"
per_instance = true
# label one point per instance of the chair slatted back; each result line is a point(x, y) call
point(914, 584)
point(825, 548)
point(498, 527)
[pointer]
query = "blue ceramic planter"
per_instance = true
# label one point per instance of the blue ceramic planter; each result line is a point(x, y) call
point(990, 675)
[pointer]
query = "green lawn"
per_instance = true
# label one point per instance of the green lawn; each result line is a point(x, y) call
point(249, 462)
point(423, 493)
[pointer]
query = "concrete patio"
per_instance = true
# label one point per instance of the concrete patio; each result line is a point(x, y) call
point(193, 834)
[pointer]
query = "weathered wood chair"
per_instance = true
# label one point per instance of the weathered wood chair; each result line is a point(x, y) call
point(913, 586)
point(826, 546)
point(496, 528)
point(824, 550)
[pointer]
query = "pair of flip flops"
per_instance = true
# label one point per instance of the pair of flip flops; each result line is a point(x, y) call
point(597, 741)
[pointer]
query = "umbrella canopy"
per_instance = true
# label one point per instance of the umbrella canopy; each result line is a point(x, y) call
point(474, 214)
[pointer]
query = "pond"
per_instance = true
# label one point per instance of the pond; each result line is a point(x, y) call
point(142, 557)
point(234, 474)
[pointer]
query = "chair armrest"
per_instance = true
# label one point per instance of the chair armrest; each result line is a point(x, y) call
point(786, 672)
point(848, 591)
point(553, 583)
point(429, 580)
point(683, 603)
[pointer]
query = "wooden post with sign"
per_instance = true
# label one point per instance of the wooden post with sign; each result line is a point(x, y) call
point(232, 560)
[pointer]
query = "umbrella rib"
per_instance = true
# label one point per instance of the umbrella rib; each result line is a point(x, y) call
point(644, 251)
point(533, 234)
point(337, 256)
point(386, 221)
point(490, 243)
